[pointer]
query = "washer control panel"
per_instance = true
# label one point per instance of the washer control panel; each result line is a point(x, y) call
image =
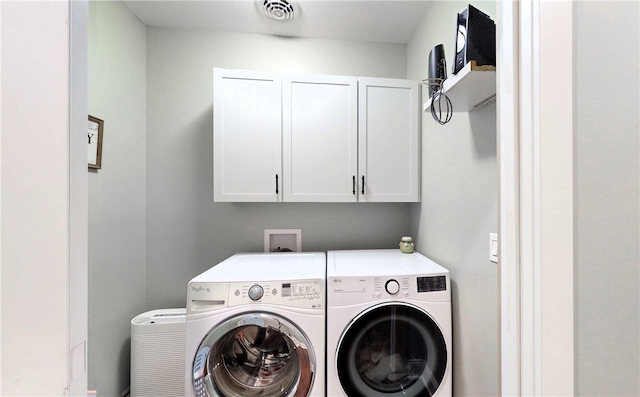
point(305, 293)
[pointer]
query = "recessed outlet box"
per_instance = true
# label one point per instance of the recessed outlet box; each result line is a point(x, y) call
point(283, 240)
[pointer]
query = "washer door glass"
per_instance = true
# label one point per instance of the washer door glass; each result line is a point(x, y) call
point(254, 354)
point(392, 349)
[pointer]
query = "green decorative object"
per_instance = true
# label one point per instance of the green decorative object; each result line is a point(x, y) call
point(406, 245)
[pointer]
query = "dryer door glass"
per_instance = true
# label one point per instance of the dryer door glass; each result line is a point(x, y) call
point(394, 350)
point(254, 354)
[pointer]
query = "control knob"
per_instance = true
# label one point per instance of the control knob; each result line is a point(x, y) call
point(392, 287)
point(255, 292)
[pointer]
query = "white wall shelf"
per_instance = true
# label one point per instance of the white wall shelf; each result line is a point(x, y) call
point(471, 88)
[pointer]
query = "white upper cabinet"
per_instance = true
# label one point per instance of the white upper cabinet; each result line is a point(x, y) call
point(389, 147)
point(247, 139)
point(320, 138)
point(315, 138)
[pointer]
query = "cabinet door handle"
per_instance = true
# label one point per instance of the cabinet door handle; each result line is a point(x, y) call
point(354, 184)
point(363, 184)
point(276, 183)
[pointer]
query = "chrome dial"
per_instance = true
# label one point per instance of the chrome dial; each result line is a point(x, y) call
point(255, 292)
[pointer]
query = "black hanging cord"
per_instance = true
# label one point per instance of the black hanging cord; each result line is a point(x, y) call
point(441, 106)
point(437, 110)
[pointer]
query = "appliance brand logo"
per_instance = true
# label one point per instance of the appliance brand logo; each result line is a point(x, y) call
point(337, 280)
point(198, 288)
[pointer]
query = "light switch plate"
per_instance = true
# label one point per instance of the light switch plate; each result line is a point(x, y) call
point(493, 247)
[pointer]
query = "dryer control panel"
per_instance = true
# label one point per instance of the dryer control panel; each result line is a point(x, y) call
point(352, 290)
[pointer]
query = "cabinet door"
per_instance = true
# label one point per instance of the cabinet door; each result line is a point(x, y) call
point(246, 136)
point(320, 128)
point(389, 147)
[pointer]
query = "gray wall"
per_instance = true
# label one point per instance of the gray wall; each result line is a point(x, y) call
point(186, 231)
point(459, 209)
point(117, 284)
point(607, 200)
point(153, 223)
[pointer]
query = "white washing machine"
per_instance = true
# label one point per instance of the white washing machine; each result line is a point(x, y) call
point(389, 327)
point(255, 326)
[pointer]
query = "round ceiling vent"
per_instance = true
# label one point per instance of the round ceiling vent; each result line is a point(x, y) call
point(281, 10)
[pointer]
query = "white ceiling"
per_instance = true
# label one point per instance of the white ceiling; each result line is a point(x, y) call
point(388, 21)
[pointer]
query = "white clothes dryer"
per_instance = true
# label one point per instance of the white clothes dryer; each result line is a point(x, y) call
point(389, 329)
point(255, 326)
